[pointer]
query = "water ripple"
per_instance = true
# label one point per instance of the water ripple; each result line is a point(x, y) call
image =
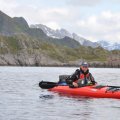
point(22, 99)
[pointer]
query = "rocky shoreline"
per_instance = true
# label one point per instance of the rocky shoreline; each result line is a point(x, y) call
point(45, 61)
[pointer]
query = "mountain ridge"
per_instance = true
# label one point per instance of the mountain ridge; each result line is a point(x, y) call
point(25, 46)
point(61, 33)
point(18, 25)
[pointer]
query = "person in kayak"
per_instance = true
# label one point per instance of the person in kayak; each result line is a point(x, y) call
point(81, 77)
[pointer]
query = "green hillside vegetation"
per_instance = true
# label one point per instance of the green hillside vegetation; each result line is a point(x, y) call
point(19, 43)
point(65, 54)
point(62, 53)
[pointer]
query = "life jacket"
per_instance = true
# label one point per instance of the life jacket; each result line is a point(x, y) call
point(85, 79)
point(82, 76)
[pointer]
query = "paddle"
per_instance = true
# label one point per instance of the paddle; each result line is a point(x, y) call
point(47, 85)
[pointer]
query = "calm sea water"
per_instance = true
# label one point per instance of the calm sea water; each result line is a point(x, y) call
point(22, 99)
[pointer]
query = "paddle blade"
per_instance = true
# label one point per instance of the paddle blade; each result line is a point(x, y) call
point(47, 85)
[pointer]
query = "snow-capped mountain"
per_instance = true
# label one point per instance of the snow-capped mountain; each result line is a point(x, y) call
point(109, 46)
point(116, 46)
point(53, 33)
point(84, 41)
point(78, 38)
point(61, 33)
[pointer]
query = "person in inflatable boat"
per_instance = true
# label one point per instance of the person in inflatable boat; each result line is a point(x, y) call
point(81, 77)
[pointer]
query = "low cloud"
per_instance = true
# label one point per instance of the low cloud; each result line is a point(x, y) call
point(105, 26)
point(53, 25)
point(83, 2)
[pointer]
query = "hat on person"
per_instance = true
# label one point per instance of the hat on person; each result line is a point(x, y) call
point(85, 64)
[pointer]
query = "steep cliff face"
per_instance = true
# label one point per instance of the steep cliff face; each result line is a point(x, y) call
point(10, 26)
point(23, 50)
point(26, 59)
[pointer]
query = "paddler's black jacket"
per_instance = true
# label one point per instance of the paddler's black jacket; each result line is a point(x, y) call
point(76, 75)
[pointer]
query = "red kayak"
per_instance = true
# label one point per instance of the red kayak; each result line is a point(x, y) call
point(90, 91)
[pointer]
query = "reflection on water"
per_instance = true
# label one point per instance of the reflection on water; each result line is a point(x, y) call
point(22, 99)
point(46, 97)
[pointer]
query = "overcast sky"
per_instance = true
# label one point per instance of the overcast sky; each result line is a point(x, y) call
point(91, 19)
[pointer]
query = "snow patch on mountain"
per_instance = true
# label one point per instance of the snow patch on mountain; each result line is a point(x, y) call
point(61, 33)
point(109, 45)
